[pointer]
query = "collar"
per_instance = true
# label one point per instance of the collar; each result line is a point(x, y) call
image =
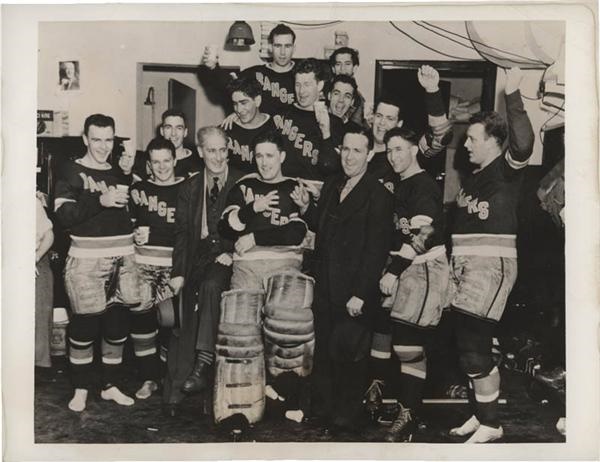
point(208, 178)
point(353, 181)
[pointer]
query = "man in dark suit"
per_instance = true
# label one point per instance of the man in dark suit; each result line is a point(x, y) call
point(353, 224)
point(201, 269)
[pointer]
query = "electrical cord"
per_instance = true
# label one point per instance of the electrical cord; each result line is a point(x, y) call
point(545, 124)
point(427, 46)
point(470, 47)
point(486, 45)
point(330, 23)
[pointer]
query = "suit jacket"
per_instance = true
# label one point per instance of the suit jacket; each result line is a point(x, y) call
point(353, 239)
point(190, 251)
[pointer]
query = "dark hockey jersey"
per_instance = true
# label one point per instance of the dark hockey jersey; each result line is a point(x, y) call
point(96, 231)
point(486, 215)
point(189, 165)
point(380, 168)
point(277, 87)
point(418, 220)
point(278, 233)
point(308, 156)
point(240, 142)
point(154, 205)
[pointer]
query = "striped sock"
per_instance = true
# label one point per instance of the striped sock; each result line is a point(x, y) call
point(205, 357)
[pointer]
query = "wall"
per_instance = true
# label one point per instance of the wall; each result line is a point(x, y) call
point(206, 112)
point(108, 53)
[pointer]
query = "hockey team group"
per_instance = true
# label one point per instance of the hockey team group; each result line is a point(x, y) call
point(301, 252)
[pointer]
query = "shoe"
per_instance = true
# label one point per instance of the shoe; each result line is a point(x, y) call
point(116, 395)
point(148, 387)
point(373, 397)
point(77, 403)
point(470, 426)
point(555, 378)
point(403, 427)
point(197, 380)
point(485, 434)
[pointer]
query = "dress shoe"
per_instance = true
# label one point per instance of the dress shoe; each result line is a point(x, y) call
point(197, 380)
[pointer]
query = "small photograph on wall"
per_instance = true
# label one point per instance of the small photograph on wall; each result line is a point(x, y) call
point(68, 75)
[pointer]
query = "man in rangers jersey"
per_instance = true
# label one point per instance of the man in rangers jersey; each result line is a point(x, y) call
point(250, 122)
point(276, 78)
point(484, 254)
point(264, 219)
point(174, 129)
point(344, 61)
point(152, 206)
point(388, 114)
point(100, 273)
point(310, 132)
point(416, 279)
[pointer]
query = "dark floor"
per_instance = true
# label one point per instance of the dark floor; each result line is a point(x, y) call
point(525, 419)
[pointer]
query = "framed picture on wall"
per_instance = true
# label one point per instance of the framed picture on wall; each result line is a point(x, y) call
point(68, 75)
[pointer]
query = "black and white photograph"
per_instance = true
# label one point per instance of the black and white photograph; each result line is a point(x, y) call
point(68, 75)
point(278, 228)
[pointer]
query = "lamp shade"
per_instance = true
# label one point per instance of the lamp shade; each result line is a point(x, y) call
point(240, 34)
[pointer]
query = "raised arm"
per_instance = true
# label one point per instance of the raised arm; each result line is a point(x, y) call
point(520, 131)
point(439, 133)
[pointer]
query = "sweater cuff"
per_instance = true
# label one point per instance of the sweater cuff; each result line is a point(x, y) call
point(513, 101)
point(246, 213)
point(434, 103)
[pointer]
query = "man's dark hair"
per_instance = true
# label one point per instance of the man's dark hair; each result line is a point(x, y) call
point(246, 85)
point(358, 130)
point(98, 120)
point(387, 99)
point(404, 133)
point(345, 51)
point(306, 66)
point(159, 143)
point(173, 113)
point(281, 29)
point(344, 79)
point(493, 124)
point(270, 136)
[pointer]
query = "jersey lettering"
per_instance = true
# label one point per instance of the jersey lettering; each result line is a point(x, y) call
point(94, 186)
point(242, 150)
point(473, 205)
point(291, 132)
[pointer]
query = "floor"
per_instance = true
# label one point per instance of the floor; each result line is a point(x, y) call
point(529, 416)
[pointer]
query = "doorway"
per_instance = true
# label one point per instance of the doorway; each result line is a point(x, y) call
point(164, 86)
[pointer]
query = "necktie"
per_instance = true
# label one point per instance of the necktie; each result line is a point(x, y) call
point(344, 188)
point(214, 191)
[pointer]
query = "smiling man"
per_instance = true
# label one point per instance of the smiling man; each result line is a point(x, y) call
point(263, 218)
point(152, 207)
point(345, 61)
point(174, 129)
point(311, 134)
point(250, 123)
point(353, 225)
point(201, 269)
point(341, 96)
point(100, 273)
point(388, 115)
